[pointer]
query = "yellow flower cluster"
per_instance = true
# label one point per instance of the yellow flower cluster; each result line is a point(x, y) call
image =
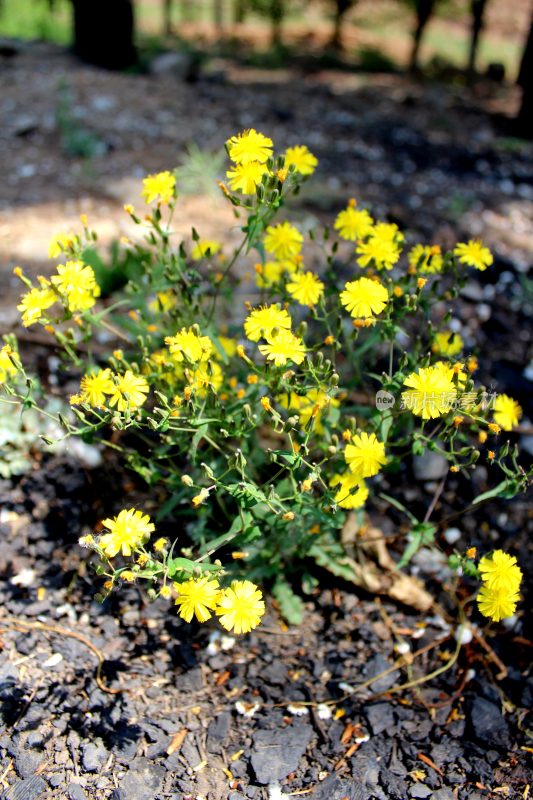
point(124, 391)
point(74, 285)
point(273, 324)
point(160, 187)
point(501, 578)
point(239, 607)
point(365, 456)
point(250, 151)
point(127, 531)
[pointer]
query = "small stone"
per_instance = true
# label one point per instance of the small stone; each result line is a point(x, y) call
point(276, 753)
point(94, 756)
point(487, 723)
point(75, 792)
point(430, 466)
point(380, 717)
point(142, 781)
point(375, 666)
point(28, 789)
point(420, 790)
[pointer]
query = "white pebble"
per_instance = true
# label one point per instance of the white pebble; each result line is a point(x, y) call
point(452, 535)
point(298, 710)
point(53, 661)
point(246, 709)
point(464, 634)
point(323, 711)
point(402, 648)
point(26, 577)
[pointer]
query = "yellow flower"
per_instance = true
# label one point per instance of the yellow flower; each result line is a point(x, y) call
point(497, 603)
point(448, 343)
point(228, 344)
point(351, 490)
point(245, 177)
point(494, 428)
point(127, 531)
point(301, 159)
point(197, 597)
point(283, 240)
point(187, 344)
point(507, 412)
point(271, 272)
point(129, 392)
point(474, 254)
point(60, 243)
point(500, 572)
point(309, 406)
point(382, 253)
point(365, 455)
point(76, 283)
point(7, 368)
point(33, 303)
point(205, 248)
point(353, 224)
point(249, 146)
point(159, 187)
point(262, 321)
point(93, 388)
point(283, 347)
point(431, 392)
point(364, 298)
point(208, 375)
point(199, 498)
point(306, 288)
point(164, 301)
point(426, 258)
point(240, 607)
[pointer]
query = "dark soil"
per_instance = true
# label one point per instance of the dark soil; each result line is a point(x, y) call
point(196, 715)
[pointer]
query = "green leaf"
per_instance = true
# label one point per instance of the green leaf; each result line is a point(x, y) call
point(290, 604)
point(421, 534)
point(246, 494)
point(399, 506)
point(506, 489)
point(197, 438)
point(328, 557)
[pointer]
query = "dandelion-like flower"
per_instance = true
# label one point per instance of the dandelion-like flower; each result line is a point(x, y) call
point(353, 223)
point(197, 597)
point(306, 288)
point(507, 412)
point(245, 177)
point(426, 258)
point(159, 187)
point(7, 368)
point(261, 322)
point(240, 607)
point(283, 240)
point(431, 392)
point(249, 146)
point(365, 455)
point(33, 303)
point(205, 248)
point(301, 159)
point(380, 252)
point(364, 298)
point(95, 387)
point(76, 283)
point(283, 347)
point(61, 243)
point(497, 603)
point(207, 376)
point(500, 571)
point(474, 254)
point(351, 490)
point(187, 344)
point(129, 392)
point(129, 529)
point(448, 343)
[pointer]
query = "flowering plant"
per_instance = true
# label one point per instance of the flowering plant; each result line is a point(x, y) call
point(267, 430)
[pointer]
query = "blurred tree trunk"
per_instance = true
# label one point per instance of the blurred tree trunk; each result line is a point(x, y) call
point(524, 120)
point(167, 17)
point(103, 33)
point(341, 7)
point(239, 11)
point(424, 10)
point(186, 10)
point(218, 16)
point(277, 12)
point(477, 10)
